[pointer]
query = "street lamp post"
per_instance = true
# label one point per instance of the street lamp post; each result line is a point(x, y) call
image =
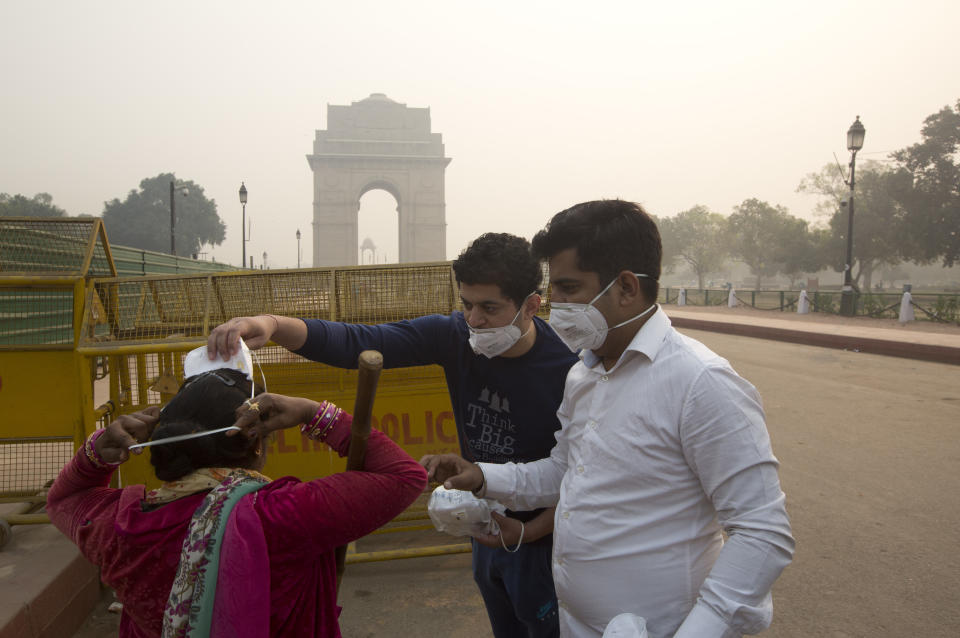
point(848, 300)
point(298, 248)
point(243, 228)
point(173, 214)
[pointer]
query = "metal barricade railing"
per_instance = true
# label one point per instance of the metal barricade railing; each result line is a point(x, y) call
point(66, 320)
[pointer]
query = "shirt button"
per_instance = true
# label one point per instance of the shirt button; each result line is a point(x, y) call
point(579, 469)
point(559, 561)
point(604, 378)
point(565, 515)
point(592, 424)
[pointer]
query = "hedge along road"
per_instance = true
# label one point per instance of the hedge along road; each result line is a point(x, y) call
point(870, 452)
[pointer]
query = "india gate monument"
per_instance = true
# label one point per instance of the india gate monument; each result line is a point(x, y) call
point(377, 143)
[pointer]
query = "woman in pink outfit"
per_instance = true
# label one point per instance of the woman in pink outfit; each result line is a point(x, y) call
point(220, 549)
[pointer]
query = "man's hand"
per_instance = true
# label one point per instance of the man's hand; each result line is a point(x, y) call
point(224, 340)
point(455, 472)
point(270, 412)
point(510, 529)
point(113, 445)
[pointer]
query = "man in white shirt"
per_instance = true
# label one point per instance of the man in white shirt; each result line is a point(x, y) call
point(663, 449)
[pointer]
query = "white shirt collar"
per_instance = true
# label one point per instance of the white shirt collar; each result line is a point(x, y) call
point(647, 341)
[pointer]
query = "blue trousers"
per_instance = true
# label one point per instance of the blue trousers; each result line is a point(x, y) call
point(517, 590)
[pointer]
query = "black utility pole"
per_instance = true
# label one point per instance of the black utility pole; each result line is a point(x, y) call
point(173, 222)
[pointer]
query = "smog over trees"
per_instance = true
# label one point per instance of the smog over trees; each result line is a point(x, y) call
point(800, 250)
point(142, 220)
point(907, 209)
point(880, 221)
point(40, 205)
point(932, 200)
point(698, 237)
point(757, 231)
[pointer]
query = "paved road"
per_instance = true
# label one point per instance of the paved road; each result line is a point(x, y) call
point(870, 453)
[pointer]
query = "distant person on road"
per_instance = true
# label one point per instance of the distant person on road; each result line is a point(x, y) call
point(505, 369)
point(663, 451)
point(220, 549)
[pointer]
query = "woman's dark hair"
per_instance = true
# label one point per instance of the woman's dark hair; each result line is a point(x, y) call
point(610, 235)
point(206, 401)
point(501, 259)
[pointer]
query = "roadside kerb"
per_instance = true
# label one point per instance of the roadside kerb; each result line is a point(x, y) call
point(896, 346)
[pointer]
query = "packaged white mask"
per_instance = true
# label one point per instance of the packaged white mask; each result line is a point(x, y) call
point(460, 513)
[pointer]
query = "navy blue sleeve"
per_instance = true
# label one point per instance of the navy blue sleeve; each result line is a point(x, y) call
point(415, 342)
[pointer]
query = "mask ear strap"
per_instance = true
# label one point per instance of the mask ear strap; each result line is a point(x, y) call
point(520, 311)
point(536, 295)
point(263, 377)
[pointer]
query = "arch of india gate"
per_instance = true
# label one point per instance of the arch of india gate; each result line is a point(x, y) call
point(377, 143)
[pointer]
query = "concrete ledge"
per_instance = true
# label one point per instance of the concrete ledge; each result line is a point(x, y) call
point(941, 353)
point(47, 588)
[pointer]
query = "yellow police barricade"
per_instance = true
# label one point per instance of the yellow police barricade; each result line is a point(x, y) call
point(45, 386)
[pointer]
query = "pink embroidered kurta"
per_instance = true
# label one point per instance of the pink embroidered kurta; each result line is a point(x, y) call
point(277, 562)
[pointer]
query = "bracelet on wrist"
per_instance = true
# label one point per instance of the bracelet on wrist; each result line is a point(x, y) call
point(276, 323)
point(320, 425)
point(90, 451)
point(519, 542)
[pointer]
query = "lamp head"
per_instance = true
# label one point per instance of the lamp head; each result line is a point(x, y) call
point(243, 193)
point(855, 136)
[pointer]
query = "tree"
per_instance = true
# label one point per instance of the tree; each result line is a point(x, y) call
point(696, 236)
point(879, 221)
point(799, 251)
point(19, 206)
point(933, 201)
point(759, 234)
point(142, 220)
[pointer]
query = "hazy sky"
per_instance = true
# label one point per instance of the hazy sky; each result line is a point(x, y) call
point(541, 104)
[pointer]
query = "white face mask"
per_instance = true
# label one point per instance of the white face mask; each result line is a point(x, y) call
point(492, 342)
point(197, 362)
point(581, 326)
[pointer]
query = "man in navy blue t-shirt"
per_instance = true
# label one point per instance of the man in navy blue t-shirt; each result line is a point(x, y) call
point(505, 370)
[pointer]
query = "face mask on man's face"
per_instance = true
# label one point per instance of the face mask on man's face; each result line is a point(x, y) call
point(492, 342)
point(581, 326)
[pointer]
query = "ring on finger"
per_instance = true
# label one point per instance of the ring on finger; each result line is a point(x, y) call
point(253, 406)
